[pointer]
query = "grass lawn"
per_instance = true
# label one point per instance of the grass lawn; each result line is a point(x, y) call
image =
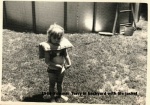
point(100, 64)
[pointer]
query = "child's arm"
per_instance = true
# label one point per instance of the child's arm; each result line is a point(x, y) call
point(68, 61)
point(48, 62)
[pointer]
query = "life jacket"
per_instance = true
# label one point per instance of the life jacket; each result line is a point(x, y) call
point(46, 46)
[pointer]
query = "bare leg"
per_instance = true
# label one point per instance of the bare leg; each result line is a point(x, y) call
point(59, 83)
point(52, 81)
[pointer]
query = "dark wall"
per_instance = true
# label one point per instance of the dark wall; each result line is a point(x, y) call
point(18, 15)
point(105, 16)
point(144, 10)
point(79, 16)
point(73, 16)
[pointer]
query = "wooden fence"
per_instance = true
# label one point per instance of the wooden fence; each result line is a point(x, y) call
point(36, 16)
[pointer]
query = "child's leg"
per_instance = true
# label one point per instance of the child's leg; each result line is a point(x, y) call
point(52, 81)
point(59, 83)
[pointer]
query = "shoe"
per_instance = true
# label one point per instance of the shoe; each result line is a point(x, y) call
point(61, 98)
point(58, 98)
point(52, 100)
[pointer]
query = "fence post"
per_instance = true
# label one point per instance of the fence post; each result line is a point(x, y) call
point(65, 16)
point(94, 15)
point(5, 14)
point(34, 16)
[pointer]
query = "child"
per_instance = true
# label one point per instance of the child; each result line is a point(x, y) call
point(57, 58)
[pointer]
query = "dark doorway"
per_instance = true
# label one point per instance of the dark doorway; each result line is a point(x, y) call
point(143, 10)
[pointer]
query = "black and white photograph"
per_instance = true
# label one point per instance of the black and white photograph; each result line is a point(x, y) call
point(74, 52)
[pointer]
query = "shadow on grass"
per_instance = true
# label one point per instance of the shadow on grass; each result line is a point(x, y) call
point(36, 98)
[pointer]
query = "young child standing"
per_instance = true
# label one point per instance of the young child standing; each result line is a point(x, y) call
point(57, 58)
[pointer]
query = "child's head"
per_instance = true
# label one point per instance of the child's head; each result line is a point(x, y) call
point(55, 34)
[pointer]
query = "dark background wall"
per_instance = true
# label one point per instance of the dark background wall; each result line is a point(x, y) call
point(105, 16)
point(73, 16)
point(143, 10)
point(79, 16)
point(17, 14)
point(48, 13)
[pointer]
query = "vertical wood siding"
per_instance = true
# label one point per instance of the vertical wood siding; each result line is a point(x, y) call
point(73, 16)
point(48, 13)
point(19, 14)
point(105, 15)
point(79, 17)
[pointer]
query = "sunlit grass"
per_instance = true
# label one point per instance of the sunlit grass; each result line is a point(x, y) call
point(99, 64)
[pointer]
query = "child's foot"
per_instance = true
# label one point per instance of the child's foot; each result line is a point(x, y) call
point(52, 100)
point(58, 98)
point(61, 98)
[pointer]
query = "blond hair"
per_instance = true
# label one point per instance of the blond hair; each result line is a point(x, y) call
point(55, 30)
